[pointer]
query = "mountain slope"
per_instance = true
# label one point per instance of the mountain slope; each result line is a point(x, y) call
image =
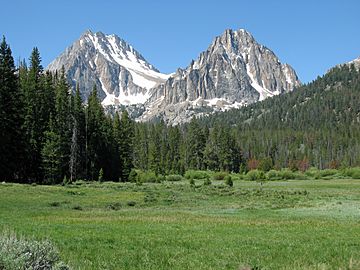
point(316, 125)
point(330, 101)
point(121, 74)
point(234, 71)
point(355, 62)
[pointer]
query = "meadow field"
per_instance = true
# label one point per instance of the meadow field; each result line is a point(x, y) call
point(293, 224)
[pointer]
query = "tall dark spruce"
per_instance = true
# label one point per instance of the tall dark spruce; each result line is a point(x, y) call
point(11, 144)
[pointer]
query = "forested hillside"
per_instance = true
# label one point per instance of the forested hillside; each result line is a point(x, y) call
point(317, 123)
point(48, 135)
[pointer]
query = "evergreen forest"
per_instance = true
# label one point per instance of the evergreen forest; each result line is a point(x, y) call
point(49, 135)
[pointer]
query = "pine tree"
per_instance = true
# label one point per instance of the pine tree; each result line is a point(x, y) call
point(31, 82)
point(51, 156)
point(11, 146)
point(77, 148)
point(195, 146)
point(96, 137)
point(63, 121)
point(154, 150)
point(117, 138)
point(141, 146)
point(126, 145)
point(174, 152)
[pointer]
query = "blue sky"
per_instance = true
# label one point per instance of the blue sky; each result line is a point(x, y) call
point(310, 35)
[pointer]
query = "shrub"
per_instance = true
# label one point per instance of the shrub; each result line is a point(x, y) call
point(318, 174)
point(192, 182)
point(255, 175)
point(174, 178)
point(131, 203)
point(312, 172)
point(352, 172)
point(207, 182)
point(238, 176)
point(192, 174)
point(19, 253)
point(65, 181)
point(133, 176)
point(273, 175)
point(229, 181)
point(220, 175)
point(101, 175)
point(77, 207)
point(328, 172)
point(55, 204)
point(160, 178)
point(114, 206)
point(147, 177)
point(287, 174)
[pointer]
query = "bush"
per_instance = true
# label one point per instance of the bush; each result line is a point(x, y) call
point(312, 172)
point(174, 178)
point(287, 174)
point(238, 176)
point(114, 206)
point(19, 253)
point(147, 177)
point(101, 175)
point(131, 203)
point(273, 175)
point(327, 172)
point(229, 181)
point(220, 175)
point(77, 207)
point(192, 182)
point(192, 174)
point(207, 182)
point(352, 172)
point(254, 175)
point(133, 176)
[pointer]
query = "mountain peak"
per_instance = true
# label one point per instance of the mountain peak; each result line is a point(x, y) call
point(234, 71)
point(121, 73)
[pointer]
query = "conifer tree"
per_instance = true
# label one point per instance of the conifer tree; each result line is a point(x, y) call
point(52, 156)
point(11, 144)
point(34, 125)
point(62, 121)
point(195, 146)
point(126, 145)
point(95, 137)
point(117, 138)
point(77, 148)
point(154, 150)
point(141, 146)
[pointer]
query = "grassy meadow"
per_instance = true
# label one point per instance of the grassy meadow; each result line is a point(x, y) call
point(293, 224)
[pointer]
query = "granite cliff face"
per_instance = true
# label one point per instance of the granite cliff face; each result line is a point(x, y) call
point(234, 71)
point(120, 73)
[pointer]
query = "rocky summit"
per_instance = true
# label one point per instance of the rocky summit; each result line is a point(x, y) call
point(120, 73)
point(234, 71)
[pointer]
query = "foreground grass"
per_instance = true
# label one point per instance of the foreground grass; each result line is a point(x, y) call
point(285, 225)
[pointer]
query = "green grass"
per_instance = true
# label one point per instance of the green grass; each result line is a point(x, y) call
point(294, 224)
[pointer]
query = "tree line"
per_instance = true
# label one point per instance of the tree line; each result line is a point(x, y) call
point(48, 134)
